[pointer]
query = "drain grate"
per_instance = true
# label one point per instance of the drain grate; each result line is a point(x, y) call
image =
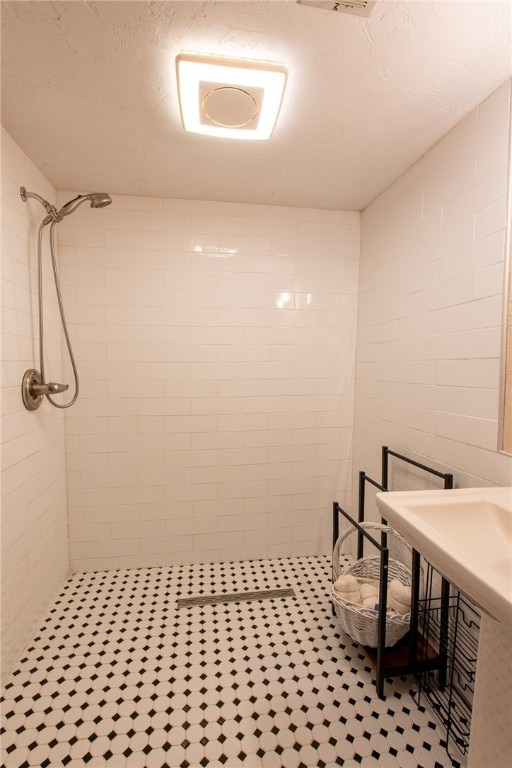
point(235, 597)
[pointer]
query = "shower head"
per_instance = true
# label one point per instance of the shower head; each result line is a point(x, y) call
point(97, 200)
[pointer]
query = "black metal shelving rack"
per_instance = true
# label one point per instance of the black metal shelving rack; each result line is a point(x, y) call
point(412, 654)
point(440, 648)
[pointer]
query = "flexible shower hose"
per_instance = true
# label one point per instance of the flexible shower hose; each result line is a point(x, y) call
point(61, 309)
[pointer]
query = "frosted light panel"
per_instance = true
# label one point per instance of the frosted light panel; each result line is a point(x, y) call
point(201, 76)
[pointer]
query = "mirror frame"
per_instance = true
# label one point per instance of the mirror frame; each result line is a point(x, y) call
point(505, 392)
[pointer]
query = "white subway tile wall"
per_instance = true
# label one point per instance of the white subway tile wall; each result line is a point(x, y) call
point(33, 484)
point(216, 346)
point(430, 308)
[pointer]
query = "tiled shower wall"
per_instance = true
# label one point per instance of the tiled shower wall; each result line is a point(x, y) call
point(430, 308)
point(215, 344)
point(33, 484)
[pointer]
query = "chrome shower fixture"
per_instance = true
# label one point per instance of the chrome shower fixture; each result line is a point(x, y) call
point(24, 194)
point(33, 386)
point(97, 200)
point(33, 389)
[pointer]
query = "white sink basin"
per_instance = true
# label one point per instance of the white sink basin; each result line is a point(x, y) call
point(466, 534)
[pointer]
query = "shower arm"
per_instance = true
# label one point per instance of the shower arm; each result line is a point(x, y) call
point(49, 208)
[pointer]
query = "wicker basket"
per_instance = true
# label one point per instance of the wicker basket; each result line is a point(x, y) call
point(361, 623)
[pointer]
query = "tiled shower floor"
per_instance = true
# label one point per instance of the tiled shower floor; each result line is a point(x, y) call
point(119, 676)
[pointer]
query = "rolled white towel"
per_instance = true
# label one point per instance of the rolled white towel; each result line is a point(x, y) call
point(399, 597)
point(397, 607)
point(370, 602)
point(346, 583)
point(346, 587)
point(351, 597)
point(400, 592)
point(368, 590)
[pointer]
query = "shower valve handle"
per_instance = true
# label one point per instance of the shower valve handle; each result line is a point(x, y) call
point(49, 388)
point(33, 388)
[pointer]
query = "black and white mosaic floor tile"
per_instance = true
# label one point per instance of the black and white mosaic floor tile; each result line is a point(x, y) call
point(119, 677)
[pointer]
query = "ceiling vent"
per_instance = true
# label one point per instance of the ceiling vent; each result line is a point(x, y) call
point(230, 98)
point(356, 7)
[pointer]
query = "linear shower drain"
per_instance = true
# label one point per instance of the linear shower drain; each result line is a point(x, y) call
point(263, 594)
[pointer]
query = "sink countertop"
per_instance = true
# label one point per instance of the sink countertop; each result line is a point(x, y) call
point(466, 534)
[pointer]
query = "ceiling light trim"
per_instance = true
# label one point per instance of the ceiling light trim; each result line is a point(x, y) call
point(266, 79)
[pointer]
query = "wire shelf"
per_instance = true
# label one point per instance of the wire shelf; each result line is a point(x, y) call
point(453, 632)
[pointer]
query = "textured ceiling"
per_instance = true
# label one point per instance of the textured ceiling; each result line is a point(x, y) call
point(88, 92)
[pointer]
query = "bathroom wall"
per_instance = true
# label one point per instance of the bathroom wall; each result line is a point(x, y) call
point(33, 486)
point(215, 344)
point(430, 308)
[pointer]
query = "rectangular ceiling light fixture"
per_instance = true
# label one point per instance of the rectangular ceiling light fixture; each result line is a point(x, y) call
point(232, 98)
